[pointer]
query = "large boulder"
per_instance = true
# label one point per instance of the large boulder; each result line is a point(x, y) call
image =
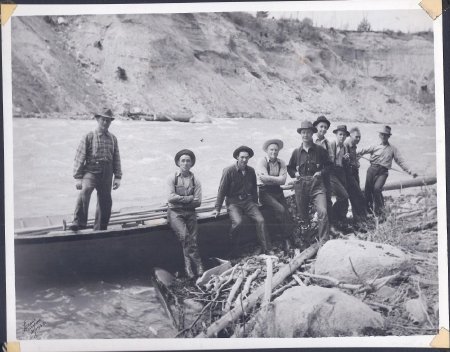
point(369, 259)
point(314, 311)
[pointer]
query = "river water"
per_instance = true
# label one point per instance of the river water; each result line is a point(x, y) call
point(43, 185)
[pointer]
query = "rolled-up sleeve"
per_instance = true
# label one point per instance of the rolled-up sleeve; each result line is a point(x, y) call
point(400, 160)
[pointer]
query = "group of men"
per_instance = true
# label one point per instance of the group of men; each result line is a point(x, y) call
point(320, 169)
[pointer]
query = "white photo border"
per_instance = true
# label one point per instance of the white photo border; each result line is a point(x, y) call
point(186, 344)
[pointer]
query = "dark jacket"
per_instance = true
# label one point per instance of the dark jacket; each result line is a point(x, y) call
point(234, 185)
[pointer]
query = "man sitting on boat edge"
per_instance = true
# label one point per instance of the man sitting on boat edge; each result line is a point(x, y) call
point(185, 194)
point(239, 190)
point(97, 160)
point(271, 175)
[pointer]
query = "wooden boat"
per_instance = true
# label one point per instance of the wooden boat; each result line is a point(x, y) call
point(135, 242)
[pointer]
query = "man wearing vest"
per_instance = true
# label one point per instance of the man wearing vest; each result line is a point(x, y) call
point(338, 176)
point(381, 157)
point(96, 161)
point(185, 194)
point(271, 175)
point(238, 188)
point(307, 166)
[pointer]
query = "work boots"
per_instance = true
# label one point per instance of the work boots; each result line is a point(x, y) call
point(188, 267)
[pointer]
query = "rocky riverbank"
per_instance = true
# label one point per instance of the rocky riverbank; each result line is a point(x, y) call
point(218, 65)
point(380, 282)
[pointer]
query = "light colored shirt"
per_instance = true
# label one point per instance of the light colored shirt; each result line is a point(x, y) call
point(337, 153)
point(324, 143)
point(383, 155)
point(277, 171)
point(184, 191)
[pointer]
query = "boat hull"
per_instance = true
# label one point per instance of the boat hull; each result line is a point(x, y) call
point(129, 252)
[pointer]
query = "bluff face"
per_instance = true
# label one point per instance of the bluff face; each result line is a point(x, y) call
point(219, 65)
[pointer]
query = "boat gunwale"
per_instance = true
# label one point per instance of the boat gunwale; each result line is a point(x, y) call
point(93, 235)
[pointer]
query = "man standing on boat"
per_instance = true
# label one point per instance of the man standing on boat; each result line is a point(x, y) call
point(307, 165)
point(238, 188)
point(97, 160)
point(381, 157)
point(353, 182)
point(185, 194)
point(271, 175)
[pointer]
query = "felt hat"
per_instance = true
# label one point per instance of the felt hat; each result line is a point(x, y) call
point(185, 152)
point(321, 119)
point(105, 113)
point(278, 142)
point(386, 130)
point(342, 128)
point(243, 148)
point(306, 125)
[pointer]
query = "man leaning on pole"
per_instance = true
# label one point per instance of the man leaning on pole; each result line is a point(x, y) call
point(381, 156)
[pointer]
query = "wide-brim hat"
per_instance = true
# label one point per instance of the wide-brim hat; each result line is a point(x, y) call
point(306, 125)
point(185, 152)
point(243, 148)
point(321, 119)
point(278, 142)
point(105, 113)
point(386, 130)
point(342, 128)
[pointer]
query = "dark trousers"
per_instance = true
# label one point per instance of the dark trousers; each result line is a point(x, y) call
point(275, 202)
point(327, 184)
point(375, 180)
point(356, 196)
point(184, 224)
point(102, 182)
point(309, 189)
point(338, 181)
point(248, 207)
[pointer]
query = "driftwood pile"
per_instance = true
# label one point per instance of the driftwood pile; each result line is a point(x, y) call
point(407, 300)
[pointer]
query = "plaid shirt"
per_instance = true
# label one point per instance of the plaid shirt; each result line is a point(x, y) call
point(94, 149)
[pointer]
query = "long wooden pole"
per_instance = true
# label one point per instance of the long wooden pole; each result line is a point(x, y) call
point(413, 182)
point(161, 211)
point(251, 301)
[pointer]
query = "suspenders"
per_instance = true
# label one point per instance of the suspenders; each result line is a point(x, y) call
point(176, 179)
point(268, 168)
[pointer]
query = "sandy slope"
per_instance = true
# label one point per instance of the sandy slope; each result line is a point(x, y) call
point(220, 65)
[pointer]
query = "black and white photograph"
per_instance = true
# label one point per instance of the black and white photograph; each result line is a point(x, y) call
point(230, 170)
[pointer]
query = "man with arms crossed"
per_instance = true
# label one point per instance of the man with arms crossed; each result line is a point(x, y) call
point(271, 173)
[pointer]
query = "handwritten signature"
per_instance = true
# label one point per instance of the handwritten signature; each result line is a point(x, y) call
point(33, 327)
